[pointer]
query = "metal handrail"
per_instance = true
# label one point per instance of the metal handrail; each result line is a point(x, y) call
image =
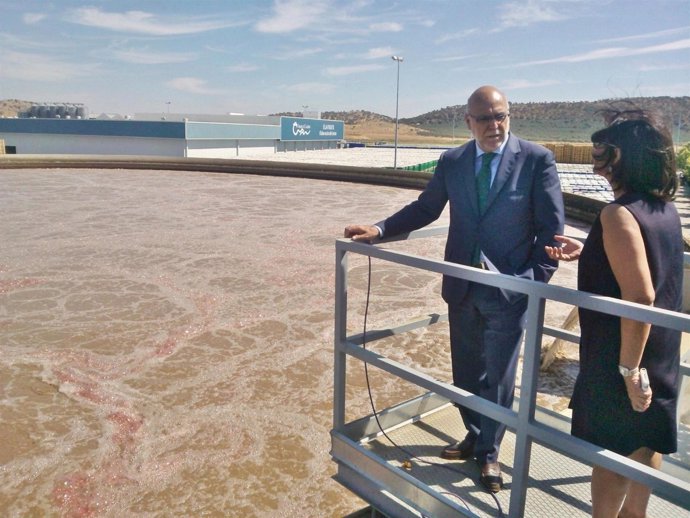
point(527, 428)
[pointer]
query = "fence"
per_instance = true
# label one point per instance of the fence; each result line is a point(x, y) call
point(425, 167)
point(395, 492)
point(564, 153)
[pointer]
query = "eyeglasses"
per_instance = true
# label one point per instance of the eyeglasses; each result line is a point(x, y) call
point(483, 119)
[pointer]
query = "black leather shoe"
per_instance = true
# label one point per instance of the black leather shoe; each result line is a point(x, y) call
point(459, 450)
point(491, 477)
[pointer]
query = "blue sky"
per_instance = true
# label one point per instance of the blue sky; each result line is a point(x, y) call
point(268, 56)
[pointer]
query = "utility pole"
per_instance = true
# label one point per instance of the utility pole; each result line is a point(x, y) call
point(397, 59)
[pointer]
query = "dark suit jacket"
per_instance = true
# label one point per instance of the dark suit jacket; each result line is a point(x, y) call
point(524, 211)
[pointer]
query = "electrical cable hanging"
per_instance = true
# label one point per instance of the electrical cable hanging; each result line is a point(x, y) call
point(380, 426)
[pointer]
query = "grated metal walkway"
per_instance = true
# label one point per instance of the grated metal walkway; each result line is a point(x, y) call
point(580, 179)
point(558, 486)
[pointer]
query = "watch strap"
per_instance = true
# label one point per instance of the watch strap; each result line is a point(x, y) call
point(626, 373)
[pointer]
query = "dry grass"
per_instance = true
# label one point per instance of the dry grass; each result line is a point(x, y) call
point(370, 132)
point(381, 131)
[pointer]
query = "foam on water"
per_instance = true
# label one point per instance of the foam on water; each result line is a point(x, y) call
point(167, 340)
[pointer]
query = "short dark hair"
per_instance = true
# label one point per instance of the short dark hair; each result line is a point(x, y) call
point(647, 160)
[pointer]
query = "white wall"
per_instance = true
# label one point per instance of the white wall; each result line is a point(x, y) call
point(45, 144)
point(229, 148)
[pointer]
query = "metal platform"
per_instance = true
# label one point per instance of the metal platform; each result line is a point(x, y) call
point(546, 470)
point(557, 486)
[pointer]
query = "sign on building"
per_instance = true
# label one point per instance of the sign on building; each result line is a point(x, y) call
point(293, 128)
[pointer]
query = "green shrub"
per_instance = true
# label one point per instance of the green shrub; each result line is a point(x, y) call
point(683, 160)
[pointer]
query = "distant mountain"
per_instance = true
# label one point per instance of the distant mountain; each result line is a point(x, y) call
point(12, 107)
point(558, 121)
point(357, 116)
point(351, 117)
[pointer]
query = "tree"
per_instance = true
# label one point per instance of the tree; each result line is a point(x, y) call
point(683, 161)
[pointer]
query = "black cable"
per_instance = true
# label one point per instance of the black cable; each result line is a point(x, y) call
point(396, 445)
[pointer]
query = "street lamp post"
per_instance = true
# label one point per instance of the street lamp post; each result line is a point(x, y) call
point(397, 59)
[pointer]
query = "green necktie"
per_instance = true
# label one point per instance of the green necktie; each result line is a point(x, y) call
point(483, 186)
point(484, 181)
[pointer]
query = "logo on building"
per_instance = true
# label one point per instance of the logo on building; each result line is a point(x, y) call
point(300, 129)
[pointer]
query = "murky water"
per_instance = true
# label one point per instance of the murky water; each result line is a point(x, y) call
point(166, 341)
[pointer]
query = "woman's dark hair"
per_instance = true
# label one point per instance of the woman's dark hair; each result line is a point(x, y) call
point(647, 161)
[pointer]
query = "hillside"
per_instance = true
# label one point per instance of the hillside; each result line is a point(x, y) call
point(559, 121)
point(11, 107)
point(543, 122)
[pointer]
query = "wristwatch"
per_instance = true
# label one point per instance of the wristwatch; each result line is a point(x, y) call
point(626, 373)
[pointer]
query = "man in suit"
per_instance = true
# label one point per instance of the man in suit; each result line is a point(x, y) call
point(504, 230)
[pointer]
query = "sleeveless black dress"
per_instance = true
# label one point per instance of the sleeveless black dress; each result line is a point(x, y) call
point(602, 413)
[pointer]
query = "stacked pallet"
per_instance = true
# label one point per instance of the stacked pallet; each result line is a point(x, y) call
point(571, 153)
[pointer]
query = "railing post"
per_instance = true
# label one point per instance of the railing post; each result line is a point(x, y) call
point(528, 402)
point(339, 337)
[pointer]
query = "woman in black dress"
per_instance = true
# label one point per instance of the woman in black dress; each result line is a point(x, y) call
point(634, 252)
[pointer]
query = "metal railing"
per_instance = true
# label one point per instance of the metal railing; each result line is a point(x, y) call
point(526, 427)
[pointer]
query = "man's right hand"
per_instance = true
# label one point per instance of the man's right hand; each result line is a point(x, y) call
point(366, 233)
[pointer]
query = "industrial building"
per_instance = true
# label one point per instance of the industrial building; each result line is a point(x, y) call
point(172, 135)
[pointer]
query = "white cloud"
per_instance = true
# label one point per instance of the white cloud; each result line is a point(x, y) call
point(455, 58)
point(192, 85)
point(242, 67)
point(291, 15)
point(386, 27)
point(677, 89)
point(455, 36)
point(289, 54)
point(521, 14)
point(32, 18)
point(211, 48)
point(153, 58)
point(140, 22)
point(648, 35)
point(517, 84)
point(380, 52)
point(41, 68)
point(668, 66)
point(613, 52)
point(346, 71)
point(24, 42)
point(311, 88)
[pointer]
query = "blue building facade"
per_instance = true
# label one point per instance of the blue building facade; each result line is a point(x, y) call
point(176, 135)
